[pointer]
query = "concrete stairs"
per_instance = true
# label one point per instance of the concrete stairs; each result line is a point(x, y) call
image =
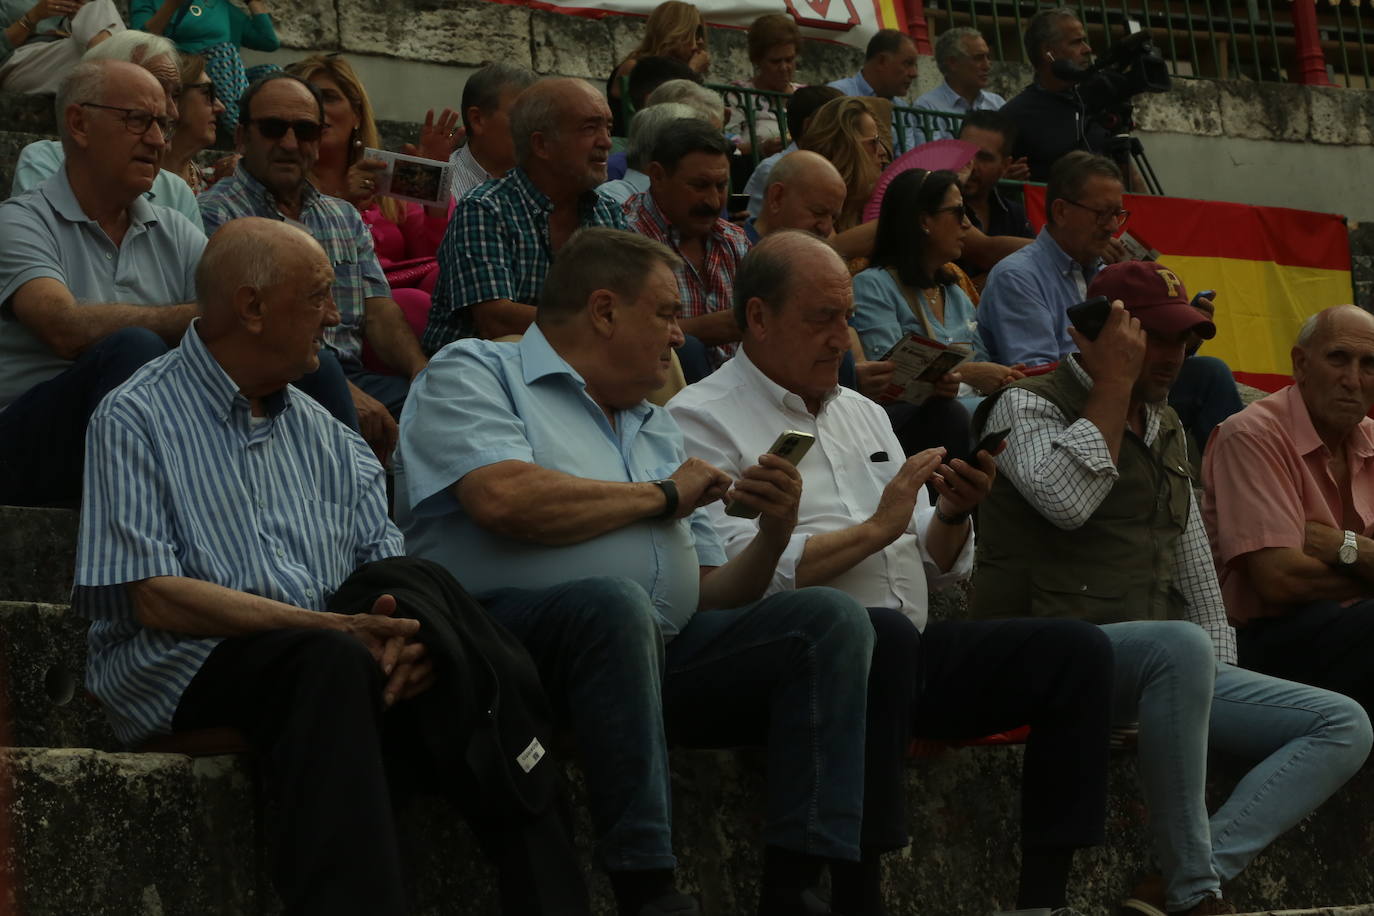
point(98, 831)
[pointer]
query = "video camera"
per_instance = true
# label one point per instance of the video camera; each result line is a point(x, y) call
point(1130, 67)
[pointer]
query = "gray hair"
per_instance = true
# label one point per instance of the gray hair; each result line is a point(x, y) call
point(533, 112)
point(766, 272)
point(1308, 330)
point(599, 258)
point(645, 128)
point(484, 88)
point(135, 47)
point(1043, 29)
point(707, 103)
point(950, 44)
point(83, 83)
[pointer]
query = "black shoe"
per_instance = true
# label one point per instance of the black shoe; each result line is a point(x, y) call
point(671, 905)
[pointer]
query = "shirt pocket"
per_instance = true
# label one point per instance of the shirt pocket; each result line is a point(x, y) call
point(324, 541)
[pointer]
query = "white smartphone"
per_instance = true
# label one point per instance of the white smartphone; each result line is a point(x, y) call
point(792, 445)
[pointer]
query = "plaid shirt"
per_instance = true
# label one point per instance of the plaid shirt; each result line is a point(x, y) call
point(701, 294)
point(340, 230)
point(497, 247)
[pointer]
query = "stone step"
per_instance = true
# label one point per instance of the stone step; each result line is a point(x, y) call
point(43, 647)
point(37, 554)
point(167, 834)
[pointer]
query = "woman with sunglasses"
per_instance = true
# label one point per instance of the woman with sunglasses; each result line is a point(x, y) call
point(195, 130)
point(214, 29)
point(910, 287)
point(406, 236)
point(846, 132)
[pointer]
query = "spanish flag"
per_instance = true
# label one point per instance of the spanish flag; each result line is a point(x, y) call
point(1270, 266)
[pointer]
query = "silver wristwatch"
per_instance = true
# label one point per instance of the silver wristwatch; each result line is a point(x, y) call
point(1350, 551)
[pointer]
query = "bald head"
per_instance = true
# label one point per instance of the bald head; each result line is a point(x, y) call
point(1317, 328)
point(1333, 367)
point(805, 192)
point(562, 126)
point(247, 252)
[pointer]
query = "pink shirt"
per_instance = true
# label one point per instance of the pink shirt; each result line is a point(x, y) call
point(416, 236)
point(1266, 475)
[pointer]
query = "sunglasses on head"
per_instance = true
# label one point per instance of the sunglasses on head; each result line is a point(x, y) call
point(276, 128)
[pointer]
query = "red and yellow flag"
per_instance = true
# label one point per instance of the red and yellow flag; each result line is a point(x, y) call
point(1270, 266)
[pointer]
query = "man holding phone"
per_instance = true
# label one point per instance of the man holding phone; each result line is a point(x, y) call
point(866, 525)
point(1094, 518)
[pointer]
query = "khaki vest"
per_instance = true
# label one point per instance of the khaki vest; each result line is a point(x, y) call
point(1117, 566)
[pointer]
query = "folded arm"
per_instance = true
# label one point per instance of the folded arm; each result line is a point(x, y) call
point(47, 308)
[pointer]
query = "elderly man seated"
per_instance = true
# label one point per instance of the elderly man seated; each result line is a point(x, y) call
point(806, 192)
point(1290, 509)
point(505, 233)
point(689, 177)
point(1093, 517)
point(867, 527)
point(42, 158)
point(278, 134)
point(240, 570)
point(94, 280)
point(645, 128)
point(537, 473)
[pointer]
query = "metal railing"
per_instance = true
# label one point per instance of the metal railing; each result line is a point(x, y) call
point(1222, 39)
point(750, 103)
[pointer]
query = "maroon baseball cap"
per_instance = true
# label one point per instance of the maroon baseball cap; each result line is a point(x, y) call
point(1153, 294)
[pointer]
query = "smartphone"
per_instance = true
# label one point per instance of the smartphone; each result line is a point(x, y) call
point(1089, 317)
point(987, 444)
point(792, 445)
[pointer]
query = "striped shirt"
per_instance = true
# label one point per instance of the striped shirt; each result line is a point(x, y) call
point(181, 480)
point(467, 171)
point(497, 247)
point(702, 292)
point(340, 230)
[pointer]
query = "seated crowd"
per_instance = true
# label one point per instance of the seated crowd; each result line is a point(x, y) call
point(353, 470)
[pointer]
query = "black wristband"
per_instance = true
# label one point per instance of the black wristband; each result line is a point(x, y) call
point(951, 519)
point(669, 488)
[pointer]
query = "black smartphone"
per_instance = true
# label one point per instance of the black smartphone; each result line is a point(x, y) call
point(1089, 317)
point(792, 445)
point(987, 444)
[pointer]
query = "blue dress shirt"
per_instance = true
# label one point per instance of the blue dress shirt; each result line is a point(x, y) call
point(944, 98)
point(481, 402)
point(857, 85)
point(1022, 315)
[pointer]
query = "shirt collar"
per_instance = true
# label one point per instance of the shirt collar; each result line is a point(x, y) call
point(538, 360)
point(468, 161)
point(1305, 438)
point(258, 191)
point(1059, 258)
point(60, 196)
point(775, 393)
point(216, 384)
point(650, 206)
point(537, 199)
point(862, 85)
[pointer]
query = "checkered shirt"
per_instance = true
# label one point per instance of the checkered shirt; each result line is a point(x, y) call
point(497, 247)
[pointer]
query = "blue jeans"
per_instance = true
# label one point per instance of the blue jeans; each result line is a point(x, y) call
point(43, 432)
point(789, 672)
point(1306, 743)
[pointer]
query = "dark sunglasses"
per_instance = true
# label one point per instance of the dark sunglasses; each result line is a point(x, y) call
point(276, 128)
point(206, 87)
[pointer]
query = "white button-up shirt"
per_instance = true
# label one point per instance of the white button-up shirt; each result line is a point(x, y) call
point(731, 417)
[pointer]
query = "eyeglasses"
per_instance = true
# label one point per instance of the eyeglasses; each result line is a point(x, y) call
point(959, 210)
point(137, 120)
point(276, 128)
point(206, 87)
point(1109, 216)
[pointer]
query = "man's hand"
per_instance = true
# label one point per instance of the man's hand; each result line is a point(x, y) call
point(1205, 302)
point(412, 676)
point(362, 182)
point(700, 61)
point(898, 501)
point(1019, 170)
point(874, 375)
point(438, 139)
point(989, 378)
point(774, 487)
point(384, 635)
point(947, 386)
point(698, 484)
point(376, 424)
point(224, 167)
point(1323, 542)
point(1115, 252)
point(963, 485)
point(1119, 351)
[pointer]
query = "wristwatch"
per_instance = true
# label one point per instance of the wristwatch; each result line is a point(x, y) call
point(669, 488)
point(956, 519)
point(1350, 551)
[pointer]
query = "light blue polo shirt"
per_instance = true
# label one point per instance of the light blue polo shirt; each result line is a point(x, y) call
point(42, 159)
point(480, 402)
point(45, 233)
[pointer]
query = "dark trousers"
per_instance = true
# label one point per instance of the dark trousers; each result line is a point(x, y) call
point(937, 422)
point(1203, 395)
point(390, 390)
point(976, 678)
point(309, 702)
point(1322, 644)
point(43, 432)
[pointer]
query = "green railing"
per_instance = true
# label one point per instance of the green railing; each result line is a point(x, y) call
point(930, 125)
point(1221, 39)
point(751, 102)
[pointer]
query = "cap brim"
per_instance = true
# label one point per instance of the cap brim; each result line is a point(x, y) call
point(1175, 318)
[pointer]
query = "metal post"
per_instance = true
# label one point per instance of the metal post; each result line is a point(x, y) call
point(1310, 63)
point(916, 25)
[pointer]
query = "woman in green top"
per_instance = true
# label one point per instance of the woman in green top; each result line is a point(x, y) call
point(214, 29)
point(41, 41)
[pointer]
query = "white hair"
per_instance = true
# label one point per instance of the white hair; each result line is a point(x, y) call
point(135, 47)
point(707, 103)
point(83, 83)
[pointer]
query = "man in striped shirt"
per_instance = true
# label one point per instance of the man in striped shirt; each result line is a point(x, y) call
point(222, 512)
point(487, 99)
